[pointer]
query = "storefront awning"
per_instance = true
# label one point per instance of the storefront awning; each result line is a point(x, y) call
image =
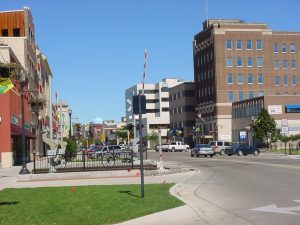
point(16, 131)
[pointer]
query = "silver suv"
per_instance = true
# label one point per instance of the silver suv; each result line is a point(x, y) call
point(219, 146)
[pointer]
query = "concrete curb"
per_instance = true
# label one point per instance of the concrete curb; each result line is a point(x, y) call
point(78, 175)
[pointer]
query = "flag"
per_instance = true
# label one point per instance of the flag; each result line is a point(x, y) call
point(5, 85)
point(200, 116)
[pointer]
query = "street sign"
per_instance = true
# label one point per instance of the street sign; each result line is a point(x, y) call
point(284, 130)
point(129, 105)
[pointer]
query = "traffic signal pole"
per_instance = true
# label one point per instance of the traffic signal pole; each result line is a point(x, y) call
point(141, 147)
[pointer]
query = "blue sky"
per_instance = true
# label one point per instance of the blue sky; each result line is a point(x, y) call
point(95, 47)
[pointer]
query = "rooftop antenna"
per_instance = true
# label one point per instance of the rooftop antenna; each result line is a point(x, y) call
point(206, 11)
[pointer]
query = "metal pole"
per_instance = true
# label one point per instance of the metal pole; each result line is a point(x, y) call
point(60, 120)
point(141, 147)
point(160, 152)
point(24, 169)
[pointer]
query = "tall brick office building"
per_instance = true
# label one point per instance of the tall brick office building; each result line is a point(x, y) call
point(234, 61)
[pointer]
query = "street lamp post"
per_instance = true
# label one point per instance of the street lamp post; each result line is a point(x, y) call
point(70, 117)
point(24, 169)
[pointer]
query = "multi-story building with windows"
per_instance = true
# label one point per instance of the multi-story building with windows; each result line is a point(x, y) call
point(182, 112)
point(235, 61)
point(157, 106)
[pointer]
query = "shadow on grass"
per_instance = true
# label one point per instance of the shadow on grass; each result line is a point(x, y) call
point(8, 203)
point(129, 193)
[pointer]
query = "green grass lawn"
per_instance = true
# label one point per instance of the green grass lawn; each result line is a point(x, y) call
point(86, 205)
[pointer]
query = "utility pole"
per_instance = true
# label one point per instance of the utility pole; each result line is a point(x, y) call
point(141, 147)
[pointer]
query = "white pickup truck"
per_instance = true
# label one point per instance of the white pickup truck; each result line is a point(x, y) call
point(175, 146)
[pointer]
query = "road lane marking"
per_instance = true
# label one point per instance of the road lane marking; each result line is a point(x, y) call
point(274, 209)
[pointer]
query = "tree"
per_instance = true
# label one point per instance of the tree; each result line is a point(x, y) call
point(153, 138)
point(275, 137)
point(71, 147)
point(264, 126)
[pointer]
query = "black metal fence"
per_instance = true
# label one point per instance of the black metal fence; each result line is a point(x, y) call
point(83, 162)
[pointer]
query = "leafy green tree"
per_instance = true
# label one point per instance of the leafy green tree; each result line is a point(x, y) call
point(275, 137)
point(264, 126)
point(71, 146)
point(153, 138)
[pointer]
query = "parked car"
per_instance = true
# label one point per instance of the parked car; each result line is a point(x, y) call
point(175, 146)
point(241, 149)
point(202, 149)
point(219, 146)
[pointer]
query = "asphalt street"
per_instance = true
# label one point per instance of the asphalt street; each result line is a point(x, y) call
point(262, 189)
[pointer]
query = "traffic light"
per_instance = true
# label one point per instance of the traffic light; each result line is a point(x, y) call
point(129, 126)
point(182, 131)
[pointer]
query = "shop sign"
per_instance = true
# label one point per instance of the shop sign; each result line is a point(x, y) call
point(274, 109)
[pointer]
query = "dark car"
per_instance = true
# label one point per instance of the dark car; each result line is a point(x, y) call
point(241, 149)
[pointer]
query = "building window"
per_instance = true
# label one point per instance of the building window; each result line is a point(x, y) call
point(239, 61)
point(258, 44)
point(165, 109)
point(294, 80)
point(239, 45)
point(229, 62)
point(276, 64)
point(230, 96)
point(260, 93)
point(260, 79)
point(241, 95)
point(249, 45)
point(283, 48)
point(276, 48)
point(250, 78)
point(249, 62)
point(4, 32)
point(240, 79)
point(292, 48)
point(286, 93)
point(250, 94)
point(229, 79)
point(293, 64)
point(228, 44)
point(277, 80)
point(284, 64)
point(16, 32)
point(285, 80)
point(152, 100)
point(164, 89)
point(277, 93)
point(259, 61)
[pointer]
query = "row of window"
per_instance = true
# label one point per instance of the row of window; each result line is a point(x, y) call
point(239, 44)
point(182, 94)
point(284, 64)
point(259, 46)
point(284, 48)
point(181, 109)
point(241, 95)
point(239, 62)
point(157, 100)
point(285, 80)
point(240, 79)
point(247, 111)
point(16, 32)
